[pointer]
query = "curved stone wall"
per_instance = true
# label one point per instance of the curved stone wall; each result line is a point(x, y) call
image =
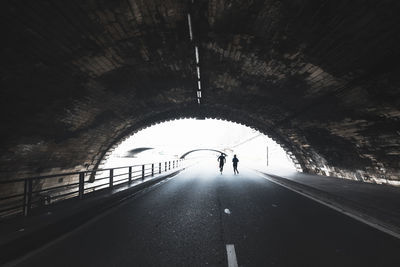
point(320, 77)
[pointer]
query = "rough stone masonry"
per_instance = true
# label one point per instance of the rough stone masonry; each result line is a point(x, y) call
point(320, 77)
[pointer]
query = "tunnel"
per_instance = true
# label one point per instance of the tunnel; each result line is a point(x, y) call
point(321, 78)
point(77, 78)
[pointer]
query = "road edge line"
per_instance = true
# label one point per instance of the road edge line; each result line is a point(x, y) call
point(340, 208)
point(92, 220)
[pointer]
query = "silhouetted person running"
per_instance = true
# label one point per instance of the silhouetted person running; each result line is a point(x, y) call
point(222, 161)
point(235, 161)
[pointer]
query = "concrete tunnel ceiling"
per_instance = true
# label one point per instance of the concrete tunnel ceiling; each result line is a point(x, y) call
point(320, 77)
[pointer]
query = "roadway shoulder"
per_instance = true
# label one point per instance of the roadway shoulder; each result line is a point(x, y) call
point(356, 210)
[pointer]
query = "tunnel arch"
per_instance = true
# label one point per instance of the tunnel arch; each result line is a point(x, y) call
point(294, 70)
point(212, 112)
point(200, 149)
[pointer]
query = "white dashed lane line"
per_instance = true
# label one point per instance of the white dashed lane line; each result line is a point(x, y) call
point(231, 254)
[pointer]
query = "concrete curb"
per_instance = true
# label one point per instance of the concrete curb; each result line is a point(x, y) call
point(340, 204)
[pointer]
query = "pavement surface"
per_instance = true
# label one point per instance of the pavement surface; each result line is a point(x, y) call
point(379, 203)
point(190, 219)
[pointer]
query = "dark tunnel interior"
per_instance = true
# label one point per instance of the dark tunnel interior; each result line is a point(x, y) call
point(319, 77)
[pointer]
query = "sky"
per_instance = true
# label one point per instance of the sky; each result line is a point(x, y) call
point(174, 138)
point(190, 133)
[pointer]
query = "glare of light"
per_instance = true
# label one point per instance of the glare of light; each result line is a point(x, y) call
point(174, 138)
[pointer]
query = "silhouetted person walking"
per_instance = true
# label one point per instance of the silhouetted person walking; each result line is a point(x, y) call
point(222, 161)
point(235, 161)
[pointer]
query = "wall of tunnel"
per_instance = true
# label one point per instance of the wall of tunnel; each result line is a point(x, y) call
point(304, 155)
point(320, 78)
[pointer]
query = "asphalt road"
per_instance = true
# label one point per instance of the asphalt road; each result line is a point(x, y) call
point(185, 222)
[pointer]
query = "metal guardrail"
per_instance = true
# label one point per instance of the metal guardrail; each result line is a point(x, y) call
point(28, 193)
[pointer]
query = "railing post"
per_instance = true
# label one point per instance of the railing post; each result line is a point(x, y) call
point(169, 165)
point(81, 184)
point(159, 167)
point(165, 166)
point(111, 177)
point(27, 197)
point(130, 175)
point(152, 169)
point(142, 172)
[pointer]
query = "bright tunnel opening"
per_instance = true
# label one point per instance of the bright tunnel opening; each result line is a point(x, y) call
point(170, 140)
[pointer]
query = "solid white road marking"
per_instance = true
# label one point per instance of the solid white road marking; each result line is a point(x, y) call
point(230, 251)
point(343, 210)
point(96, 218)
